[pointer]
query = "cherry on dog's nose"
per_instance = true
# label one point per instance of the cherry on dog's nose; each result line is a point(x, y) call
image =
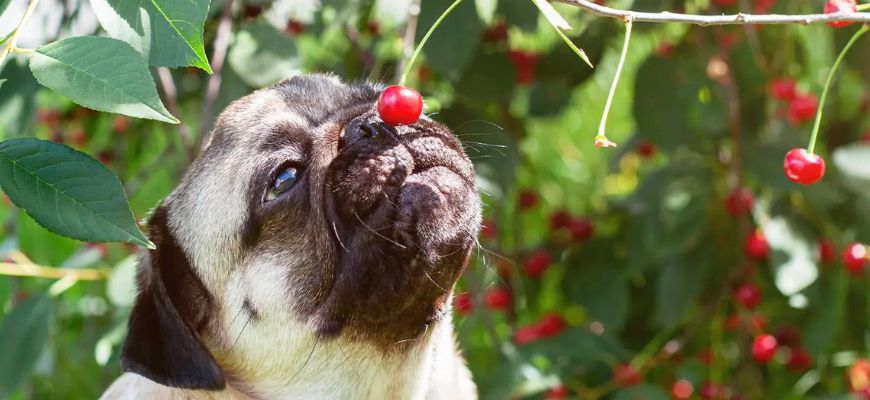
point(357, 130)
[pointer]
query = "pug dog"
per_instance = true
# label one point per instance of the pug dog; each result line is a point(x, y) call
point(309, 252)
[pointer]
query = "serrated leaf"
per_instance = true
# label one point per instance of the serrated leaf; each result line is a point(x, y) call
point(67, 191)
point(166, 32)
point(261, 55)
point(679, 284)
point(23, 334)
point(100, 73)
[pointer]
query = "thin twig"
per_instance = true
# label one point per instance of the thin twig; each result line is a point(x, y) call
point(170, 94)
point(10, 43)
point(707, 20)
point(22, 266)
point(408, 39)
point(221, 44)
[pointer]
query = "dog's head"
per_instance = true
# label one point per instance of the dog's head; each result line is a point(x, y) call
point(305, 217)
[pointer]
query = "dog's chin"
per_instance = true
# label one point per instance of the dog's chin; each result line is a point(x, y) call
point(409, 213)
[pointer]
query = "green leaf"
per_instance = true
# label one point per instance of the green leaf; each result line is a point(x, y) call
point(17, 99)
point(166, 32)
point(595, 284)
point(67, 191)
point(23, 334)
point(100, 73)
point(692, 113)
point(552, 16)
point(679, 284)
point(452, 46)
point(261, 55)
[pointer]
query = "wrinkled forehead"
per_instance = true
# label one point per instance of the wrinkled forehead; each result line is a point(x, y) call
point(292, 107)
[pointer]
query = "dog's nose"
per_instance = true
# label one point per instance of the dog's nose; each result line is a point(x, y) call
point(363, 128)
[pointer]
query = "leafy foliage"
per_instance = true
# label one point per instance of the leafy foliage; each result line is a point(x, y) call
point(624, 257)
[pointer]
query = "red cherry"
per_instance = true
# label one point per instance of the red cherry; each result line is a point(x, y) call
point(803, 167)
point(625, 375)
point(855, 258)
point(497, 299)
point(646, 149)
point(463, 303)
point(858, 375)
point(294, 27)
point(706, 356)
point(252, 11)
point(537, 263)
point(837, 6)
point(682, 390)
point(739, 202)
point(527, 334)
point(827, 251)
point(756, 246)
point(802, 108)
point(799, 359)
point(525, 63)
point(783, 89)
point(557, 393)
point(496, 33)
point(120, 124)
point(373, 27)
point(866, 136)
point(581, 229)
point(400, 105)
point(748, 295)
point(788, 336)
point(560, 219)
point(764, 348)
point(528, 199)
point(551, 324)
point(665, 49)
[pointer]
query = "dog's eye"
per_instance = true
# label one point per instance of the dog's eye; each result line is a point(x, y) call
point(282, 183)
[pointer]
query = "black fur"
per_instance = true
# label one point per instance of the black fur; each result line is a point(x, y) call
point(162, 343)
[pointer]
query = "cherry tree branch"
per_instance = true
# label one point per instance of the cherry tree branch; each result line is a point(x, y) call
point(707, 20)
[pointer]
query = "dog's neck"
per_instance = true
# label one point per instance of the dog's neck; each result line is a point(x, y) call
point(341, 370)
point(433, 369)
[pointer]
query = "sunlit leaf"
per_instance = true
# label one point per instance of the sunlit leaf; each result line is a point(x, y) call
point(100, 73)
point(167, 32)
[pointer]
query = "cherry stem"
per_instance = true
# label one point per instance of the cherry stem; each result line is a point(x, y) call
point(615, 78)
point(423, 41)
point(831, 74)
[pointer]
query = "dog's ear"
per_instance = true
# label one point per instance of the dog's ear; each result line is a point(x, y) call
point(162, 340)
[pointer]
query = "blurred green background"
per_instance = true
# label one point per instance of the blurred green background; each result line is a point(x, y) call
point(601, 273)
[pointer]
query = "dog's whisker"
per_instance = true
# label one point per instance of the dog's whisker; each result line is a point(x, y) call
point(479, 120)
point(378, 233)
point(338, 237)
point(236, 341)
point(435, 283)
point(422, 335)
